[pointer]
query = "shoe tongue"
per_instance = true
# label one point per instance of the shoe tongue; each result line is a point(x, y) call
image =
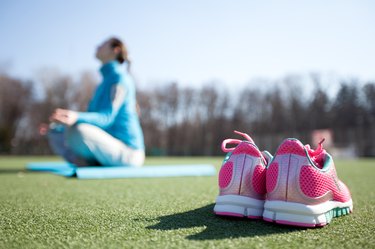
point(319, 160)
point(317, 151)
point(317, 155)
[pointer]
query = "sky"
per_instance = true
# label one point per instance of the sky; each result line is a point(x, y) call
point(192, 42)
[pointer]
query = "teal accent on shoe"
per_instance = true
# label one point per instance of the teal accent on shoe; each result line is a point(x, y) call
point(336, 212)
point(327, 162)
point(329, 216)
point(226, 158)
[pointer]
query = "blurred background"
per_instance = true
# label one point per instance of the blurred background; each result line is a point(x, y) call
point(272, 69)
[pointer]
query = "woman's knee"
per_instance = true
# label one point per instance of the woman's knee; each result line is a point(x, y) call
point(75, 134)
point(77, 131)
point(76, 140)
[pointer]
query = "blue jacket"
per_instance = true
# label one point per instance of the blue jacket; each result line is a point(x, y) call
point(113, 106)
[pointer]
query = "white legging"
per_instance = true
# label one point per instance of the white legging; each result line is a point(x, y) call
point(94, 145)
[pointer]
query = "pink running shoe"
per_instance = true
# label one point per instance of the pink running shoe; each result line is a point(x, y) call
point(303, 188)
point(242, 179)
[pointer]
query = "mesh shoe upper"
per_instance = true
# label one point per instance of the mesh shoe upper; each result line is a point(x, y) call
point(299, 174)
point(244, 170)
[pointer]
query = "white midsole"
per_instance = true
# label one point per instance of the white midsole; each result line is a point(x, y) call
point(239, 201)
point(304, 215)
point(239, 206)
point(298, 208)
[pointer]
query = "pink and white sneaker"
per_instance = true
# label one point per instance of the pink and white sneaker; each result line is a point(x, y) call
point(242, 179)
point(303, 188)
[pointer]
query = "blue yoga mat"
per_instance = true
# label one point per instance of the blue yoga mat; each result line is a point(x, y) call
point(59, 168)
point(103, 172)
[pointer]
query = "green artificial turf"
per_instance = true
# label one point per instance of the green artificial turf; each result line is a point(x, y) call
point(42, 210)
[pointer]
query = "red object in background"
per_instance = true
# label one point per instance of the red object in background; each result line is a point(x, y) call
point(43, 129)
point(318, 135)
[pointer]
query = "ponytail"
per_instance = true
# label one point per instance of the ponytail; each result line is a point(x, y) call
point(123, 55)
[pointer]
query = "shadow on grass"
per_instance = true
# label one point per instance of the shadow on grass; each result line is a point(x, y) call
point(13, 171)
point(5, 171)
point(218, 227)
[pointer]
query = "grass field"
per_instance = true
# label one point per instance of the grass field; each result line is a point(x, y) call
point(41, 210)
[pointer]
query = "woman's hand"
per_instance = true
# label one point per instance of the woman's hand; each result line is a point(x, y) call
point(63, 116)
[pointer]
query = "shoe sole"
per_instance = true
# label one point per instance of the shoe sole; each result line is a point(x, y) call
point(297, 214)
point(239, 206)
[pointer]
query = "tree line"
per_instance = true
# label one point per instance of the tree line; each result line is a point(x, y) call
point(183, 120)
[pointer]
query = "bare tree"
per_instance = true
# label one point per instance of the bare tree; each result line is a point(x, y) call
point(15, 97)
point(318, 111)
